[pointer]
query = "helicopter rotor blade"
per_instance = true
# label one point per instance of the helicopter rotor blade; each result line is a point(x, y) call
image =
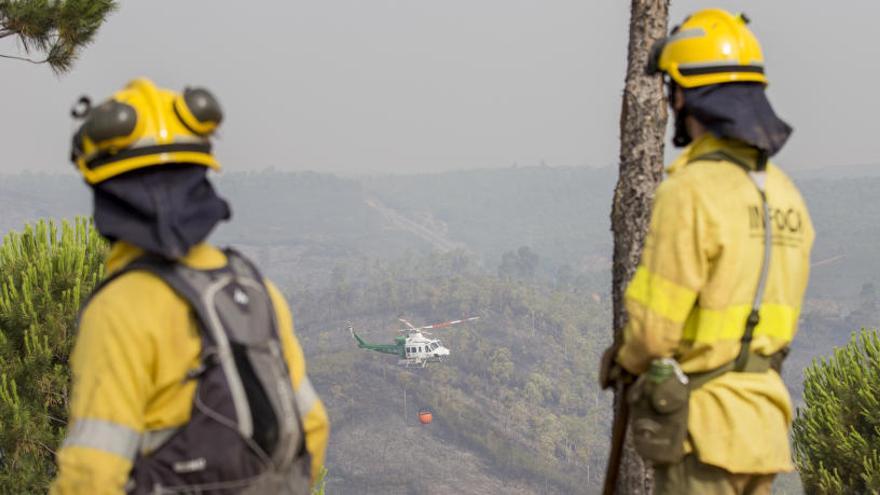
point(448, 323)
point(408, 324)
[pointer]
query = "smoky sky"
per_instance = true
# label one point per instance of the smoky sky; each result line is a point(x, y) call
point(411, 86)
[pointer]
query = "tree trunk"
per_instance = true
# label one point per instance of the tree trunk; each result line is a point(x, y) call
point(642, 132)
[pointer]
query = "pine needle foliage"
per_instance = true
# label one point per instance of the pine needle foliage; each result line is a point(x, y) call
point(45, 275)
point(837, 432)
point(321, 483)
point(56, 28)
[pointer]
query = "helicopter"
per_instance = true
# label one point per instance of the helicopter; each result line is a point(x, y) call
point(413, 348)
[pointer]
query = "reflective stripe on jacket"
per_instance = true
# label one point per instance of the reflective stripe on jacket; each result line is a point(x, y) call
point(692, 293)
point(137, 340)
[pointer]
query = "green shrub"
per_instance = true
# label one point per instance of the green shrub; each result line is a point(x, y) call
point(44, 278)
point(837, 432)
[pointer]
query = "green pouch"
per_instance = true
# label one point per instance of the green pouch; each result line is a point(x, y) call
point(659, 410)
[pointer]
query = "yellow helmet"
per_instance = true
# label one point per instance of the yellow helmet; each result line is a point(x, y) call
point(711, 46)
point(143, 126)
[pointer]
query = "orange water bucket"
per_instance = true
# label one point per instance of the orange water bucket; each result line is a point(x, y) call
point(425, 416)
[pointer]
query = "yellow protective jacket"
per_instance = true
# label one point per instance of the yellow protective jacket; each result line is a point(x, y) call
point(137, 340)
point(693, 290)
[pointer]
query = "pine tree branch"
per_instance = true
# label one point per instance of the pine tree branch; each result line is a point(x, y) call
point(57, 420)
point(59, 30)
point(24, 59)
point(44, 446)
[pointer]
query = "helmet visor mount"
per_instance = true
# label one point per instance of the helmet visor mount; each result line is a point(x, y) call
point(653, 66)
point(681, 137)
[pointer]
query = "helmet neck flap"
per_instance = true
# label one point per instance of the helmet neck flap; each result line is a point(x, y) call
point(738, 111)
point(162, 210)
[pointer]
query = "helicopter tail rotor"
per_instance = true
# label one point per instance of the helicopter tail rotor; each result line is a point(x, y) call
point(356, 337)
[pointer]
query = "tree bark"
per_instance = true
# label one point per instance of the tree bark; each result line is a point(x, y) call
point(642, 132)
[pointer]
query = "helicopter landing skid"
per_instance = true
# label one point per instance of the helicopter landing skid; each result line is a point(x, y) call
point(412, 363)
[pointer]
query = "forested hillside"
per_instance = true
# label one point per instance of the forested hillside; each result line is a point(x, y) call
point(518, 392)
point(526, 249)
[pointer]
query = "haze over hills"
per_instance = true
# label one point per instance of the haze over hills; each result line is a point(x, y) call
point(560, 213)
point(528, 249)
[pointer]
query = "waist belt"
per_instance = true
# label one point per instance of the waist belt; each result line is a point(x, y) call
point(754, 363)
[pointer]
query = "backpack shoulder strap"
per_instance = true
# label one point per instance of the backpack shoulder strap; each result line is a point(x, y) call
point(247, 273)
point(723, 156)
point(160, 267)
point(241, 265)
point(169, 272)
point(759, 179)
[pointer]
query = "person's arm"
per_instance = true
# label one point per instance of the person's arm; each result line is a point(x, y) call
point(110, 383)
point(316, 425)
point(673, 268)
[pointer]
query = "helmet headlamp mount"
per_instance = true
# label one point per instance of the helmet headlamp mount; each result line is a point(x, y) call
point(143, 126)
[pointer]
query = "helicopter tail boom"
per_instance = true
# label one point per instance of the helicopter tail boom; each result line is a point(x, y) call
point(360, 341)
point(394, 349)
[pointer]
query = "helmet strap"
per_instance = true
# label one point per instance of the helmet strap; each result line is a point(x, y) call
point(681, 138)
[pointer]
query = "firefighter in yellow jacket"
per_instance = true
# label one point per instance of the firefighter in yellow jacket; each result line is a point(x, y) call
point(703, 271)
point(165, 399)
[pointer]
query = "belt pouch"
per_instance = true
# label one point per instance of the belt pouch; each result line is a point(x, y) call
point(659, 404)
